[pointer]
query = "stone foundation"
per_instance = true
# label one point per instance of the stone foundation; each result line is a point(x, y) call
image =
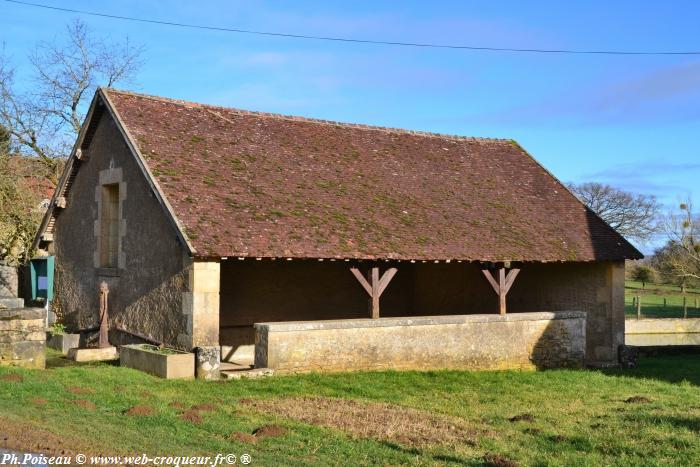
point(22, 338)
point(480, 342)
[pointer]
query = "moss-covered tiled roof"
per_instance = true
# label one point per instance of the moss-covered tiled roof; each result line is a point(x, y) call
point(252, 184)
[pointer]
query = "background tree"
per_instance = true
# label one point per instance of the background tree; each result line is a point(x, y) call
point(633, 216)
point(19, 208)
point(44, 120)
point(681, 254)
point(643, 273)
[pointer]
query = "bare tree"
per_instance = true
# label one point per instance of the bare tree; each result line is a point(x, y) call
point(682, 252)
point(45, 119)
point(633, 216)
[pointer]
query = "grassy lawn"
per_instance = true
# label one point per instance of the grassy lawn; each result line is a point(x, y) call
point(652, 300)
point(444, 417)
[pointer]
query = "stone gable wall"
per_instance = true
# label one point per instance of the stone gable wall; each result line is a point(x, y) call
point(147, 288)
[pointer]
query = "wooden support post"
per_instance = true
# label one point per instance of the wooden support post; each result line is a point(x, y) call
point(639, 306)
point(685, 306)
point(502, 286)
point(374, 286)
point(664, 302)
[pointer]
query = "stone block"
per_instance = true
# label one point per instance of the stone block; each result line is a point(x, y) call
point(93, 355)
point(11, 302)
point(8, 281)
point(208, 362)
point(22, 337)
point(63, 342)
point(177, 365)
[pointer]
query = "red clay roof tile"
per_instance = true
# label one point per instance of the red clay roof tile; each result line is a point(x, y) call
point(263, 185)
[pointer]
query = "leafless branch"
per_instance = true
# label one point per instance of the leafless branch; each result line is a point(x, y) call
point(45, 120)
point(633, 216)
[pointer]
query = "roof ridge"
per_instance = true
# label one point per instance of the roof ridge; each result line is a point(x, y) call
point(296, 118)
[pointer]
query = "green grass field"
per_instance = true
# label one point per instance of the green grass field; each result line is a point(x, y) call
point(562, 417)
point(652, 299)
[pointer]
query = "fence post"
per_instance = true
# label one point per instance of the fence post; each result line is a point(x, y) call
point(685, 306)
point(664, 302)
point(639, 307)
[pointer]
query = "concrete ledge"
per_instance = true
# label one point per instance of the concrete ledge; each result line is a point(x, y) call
point(518, 340)
point(662, 332)
point(288, 326)
point(662, 326)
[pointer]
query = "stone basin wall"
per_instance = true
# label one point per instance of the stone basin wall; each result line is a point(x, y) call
point(23, 337)
point(478, 342)
point(652, 332)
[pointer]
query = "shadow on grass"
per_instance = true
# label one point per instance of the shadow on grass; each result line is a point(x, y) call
point(672, 366)
point(446, 458)
point(57, 360)
point(688, 423)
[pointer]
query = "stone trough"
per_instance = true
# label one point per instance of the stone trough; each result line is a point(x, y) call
point(171, 364)
point(510, 341)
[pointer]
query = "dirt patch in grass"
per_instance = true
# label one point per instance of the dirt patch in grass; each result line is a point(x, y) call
point(497, 460)
point(176, 405)
point(191, 416)
point(637, 400)
point(383, 421)
point(244, 437)
point(203, 408)
point(12, 378)
point(19, 436)
point(270, 431)
point(39, 401)
point(523, 417)
point(139, 411)
point(89, 405)
point(79, 390)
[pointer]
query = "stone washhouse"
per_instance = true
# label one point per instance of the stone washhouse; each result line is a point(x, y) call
point(309, 245)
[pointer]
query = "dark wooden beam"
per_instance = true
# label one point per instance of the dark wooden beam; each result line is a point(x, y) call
point(502, 286)
point(374, 286)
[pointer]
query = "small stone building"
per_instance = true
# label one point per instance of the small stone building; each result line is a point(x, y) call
point(206, 220)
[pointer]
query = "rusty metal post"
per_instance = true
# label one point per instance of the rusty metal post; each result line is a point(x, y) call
point(104, 316)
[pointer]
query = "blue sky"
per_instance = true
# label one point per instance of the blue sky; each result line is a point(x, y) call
point(633, 122)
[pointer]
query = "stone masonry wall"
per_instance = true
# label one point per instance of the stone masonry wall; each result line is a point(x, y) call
point(515, 341)
point(147, 287)
point(22, 338)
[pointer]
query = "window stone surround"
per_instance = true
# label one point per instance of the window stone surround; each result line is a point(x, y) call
point(112, 175)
